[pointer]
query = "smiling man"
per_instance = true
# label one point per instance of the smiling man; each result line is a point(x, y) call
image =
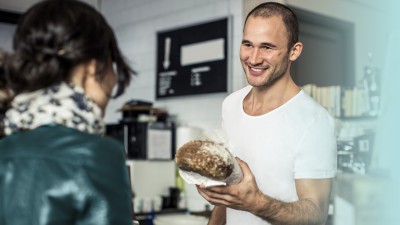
point(286, 138)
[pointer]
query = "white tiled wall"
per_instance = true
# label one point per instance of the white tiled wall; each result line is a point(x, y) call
point(136, 23)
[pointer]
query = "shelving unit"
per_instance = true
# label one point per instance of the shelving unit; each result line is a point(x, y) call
point(345, 103)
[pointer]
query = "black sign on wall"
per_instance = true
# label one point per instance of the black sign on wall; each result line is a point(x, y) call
point(192, 60)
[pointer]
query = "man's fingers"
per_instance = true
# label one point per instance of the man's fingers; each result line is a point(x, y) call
point(215, 199)
point(243, 165)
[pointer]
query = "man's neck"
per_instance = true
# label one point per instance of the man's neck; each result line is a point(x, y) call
point(262, 100)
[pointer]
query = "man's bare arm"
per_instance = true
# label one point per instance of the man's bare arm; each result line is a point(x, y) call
point(311, 208)
point(218, 216)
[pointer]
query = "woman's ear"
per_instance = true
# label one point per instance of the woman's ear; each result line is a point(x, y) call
point(82, 72)
point(89, 79)
point(295, 51)
point(90, 68)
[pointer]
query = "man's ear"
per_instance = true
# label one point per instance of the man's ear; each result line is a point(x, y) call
point(295, 51)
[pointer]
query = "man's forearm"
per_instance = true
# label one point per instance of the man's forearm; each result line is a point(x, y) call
point(218, 216)
point(302, 212)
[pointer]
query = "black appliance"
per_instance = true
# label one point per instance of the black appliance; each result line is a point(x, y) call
point(134, 136)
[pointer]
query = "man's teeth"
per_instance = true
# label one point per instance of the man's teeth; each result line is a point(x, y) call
point(256, 69)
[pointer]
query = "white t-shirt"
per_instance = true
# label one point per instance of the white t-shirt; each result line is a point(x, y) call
point(294, 141)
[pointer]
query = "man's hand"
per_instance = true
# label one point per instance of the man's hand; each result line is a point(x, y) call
point(242, 196)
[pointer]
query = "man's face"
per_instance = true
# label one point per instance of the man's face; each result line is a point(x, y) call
point(263, 52)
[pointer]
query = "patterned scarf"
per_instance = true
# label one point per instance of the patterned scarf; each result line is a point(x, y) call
point(63, 104)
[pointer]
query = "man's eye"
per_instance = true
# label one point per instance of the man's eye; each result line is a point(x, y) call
point(247, 45)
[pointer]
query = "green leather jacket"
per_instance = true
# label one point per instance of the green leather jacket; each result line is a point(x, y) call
point(58, 175)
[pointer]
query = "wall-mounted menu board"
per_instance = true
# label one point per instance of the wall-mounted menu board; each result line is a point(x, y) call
point(192, 60)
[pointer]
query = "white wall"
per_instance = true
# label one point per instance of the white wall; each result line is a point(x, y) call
point(16, 5)
point(136, 24)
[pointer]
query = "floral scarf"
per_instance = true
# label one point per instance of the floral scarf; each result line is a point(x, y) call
point(63, 104)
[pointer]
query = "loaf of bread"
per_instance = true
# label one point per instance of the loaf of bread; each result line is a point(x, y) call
point(206, 158)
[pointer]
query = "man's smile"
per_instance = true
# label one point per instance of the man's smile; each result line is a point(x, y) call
point(256, 70)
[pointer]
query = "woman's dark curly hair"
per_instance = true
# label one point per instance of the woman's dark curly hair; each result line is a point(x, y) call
point(54, 36)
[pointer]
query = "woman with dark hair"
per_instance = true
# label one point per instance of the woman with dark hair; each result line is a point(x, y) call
point(55, 166)
point(5, 95)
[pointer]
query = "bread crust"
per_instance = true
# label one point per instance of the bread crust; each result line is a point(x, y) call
point(206, 158)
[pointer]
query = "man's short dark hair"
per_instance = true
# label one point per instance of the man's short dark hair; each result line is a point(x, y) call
point(270, 9)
